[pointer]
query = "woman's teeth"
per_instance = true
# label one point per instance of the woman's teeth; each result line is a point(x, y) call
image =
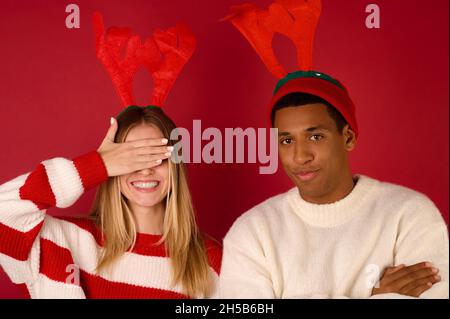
point(145, 185)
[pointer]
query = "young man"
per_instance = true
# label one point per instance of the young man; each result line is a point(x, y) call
point(333, 235)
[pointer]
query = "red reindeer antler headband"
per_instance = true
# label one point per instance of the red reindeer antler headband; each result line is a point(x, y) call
point(164, 55)
point(297, 20)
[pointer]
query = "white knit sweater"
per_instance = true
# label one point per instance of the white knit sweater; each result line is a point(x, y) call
point(286, 247)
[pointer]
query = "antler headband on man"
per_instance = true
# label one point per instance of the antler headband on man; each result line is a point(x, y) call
point(297, 20)
point(164, 55)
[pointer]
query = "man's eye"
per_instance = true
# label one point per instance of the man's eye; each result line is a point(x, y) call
point(316, 137)
point(286, 141)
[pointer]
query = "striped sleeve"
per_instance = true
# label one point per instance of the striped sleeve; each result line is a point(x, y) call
point(57, 182)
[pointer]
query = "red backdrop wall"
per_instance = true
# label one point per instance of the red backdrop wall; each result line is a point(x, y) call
point(56, 99)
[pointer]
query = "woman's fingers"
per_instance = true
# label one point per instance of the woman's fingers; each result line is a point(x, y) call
point(148, 142)
point(128, 157)
point(108, 142)
point(112, 130)
point(149, 161)
point(149, 150)
point(146, 164)
point(152, 158)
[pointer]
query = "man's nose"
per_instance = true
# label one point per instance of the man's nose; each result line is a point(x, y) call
point(303, 154)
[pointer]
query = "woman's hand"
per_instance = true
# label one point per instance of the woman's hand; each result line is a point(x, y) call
point(408, 280)
point(128, 157)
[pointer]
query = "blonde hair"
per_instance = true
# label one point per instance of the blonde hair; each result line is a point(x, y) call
point(183, 242)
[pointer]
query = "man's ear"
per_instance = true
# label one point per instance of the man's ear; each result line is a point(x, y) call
point(349, 138)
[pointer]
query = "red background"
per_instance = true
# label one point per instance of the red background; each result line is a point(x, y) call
point(56, 99)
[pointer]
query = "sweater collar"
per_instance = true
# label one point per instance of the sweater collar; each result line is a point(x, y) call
point(146, 240)
point(334, 214)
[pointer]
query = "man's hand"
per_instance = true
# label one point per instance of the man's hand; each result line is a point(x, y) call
point(408, 280)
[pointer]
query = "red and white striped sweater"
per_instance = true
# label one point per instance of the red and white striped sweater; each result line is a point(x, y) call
point(44, 254)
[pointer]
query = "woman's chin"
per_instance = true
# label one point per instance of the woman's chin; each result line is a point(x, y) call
point(144, 199)
point(147, 202)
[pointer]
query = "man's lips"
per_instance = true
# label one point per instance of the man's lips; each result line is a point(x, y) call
point(307, 175)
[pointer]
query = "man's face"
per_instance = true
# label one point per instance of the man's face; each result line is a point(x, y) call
point(313, 152)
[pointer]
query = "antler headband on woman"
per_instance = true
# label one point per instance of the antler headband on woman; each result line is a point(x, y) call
point(164, 55)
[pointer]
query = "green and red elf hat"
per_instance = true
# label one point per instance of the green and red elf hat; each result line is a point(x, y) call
point(297, 20)
point(164, 55)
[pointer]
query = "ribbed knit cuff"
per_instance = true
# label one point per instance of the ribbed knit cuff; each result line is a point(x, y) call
point(92, 169)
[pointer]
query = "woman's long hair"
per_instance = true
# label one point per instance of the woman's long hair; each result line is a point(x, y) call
point(182, 239)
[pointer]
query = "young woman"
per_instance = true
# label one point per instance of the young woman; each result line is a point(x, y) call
point(140, 240)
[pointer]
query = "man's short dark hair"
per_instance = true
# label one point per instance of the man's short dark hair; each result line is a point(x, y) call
point(300, 99)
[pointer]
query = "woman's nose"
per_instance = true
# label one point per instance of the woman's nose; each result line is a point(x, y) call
point(146, 171)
